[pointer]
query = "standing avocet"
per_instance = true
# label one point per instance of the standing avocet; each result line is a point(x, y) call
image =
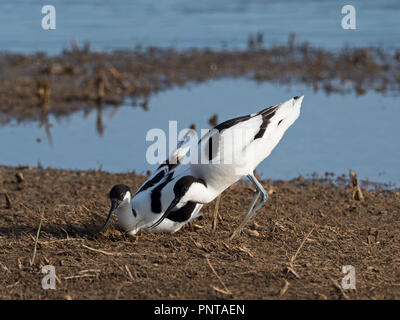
point(175, 193)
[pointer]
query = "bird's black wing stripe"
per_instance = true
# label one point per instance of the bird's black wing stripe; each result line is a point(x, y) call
point(210, 141)
point(230, 123)
point(268, 110)
point(266, 114)
point(182, 214)
point(213, 145)
point(227, 124)
point(157, 178)
point(213, 141)
point(171, 166)
point(156, 206)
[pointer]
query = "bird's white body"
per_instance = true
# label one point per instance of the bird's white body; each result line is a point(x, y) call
point(230, 151)
point(145, 216)
point(238, 153)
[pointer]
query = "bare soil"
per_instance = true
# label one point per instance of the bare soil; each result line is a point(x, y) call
point(294, 249)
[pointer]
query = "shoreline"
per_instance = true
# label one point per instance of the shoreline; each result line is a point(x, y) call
point(330, 178)
point(33, 86)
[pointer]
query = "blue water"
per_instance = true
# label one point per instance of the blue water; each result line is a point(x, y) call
point(192, 23)
point(334, 133)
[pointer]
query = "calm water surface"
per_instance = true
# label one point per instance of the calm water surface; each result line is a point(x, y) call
point(334, 133)
point(191, 23)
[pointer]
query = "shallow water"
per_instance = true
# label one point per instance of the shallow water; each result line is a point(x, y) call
point(334, 133)
point(192, 23)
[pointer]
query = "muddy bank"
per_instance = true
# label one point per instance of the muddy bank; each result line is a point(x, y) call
point(303, 236)
point(31, 86)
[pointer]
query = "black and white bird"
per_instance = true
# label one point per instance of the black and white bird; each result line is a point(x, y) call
point(175, 193)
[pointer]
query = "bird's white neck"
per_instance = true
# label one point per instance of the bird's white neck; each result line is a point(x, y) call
point(126, 218)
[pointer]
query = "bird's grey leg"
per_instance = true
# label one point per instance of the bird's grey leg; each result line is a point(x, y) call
point(252, 209)
point(247, 216)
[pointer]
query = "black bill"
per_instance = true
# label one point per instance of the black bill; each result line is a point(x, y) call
point(114, 206)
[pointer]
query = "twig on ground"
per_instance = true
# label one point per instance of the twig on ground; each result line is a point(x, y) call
point(245, 250)
point(339, 287)
point(129, 273)
point(60, 240)
point(80, 276)
point(221, 291)
point(226, 290)
point(284, 288)
point(299, 248)
point(37, 238)
point(90, 270)
point(290, 268)
point(101, 251)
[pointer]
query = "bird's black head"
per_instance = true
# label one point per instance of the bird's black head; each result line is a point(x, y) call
point(119, 191)
point(117, 196)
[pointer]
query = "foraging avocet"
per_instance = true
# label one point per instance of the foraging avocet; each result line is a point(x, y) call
point(175, 193)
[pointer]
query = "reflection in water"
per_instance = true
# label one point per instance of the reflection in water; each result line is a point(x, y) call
point(43, 92)
point(326, 137)
point(44, 122)
point(145, 103)
point(114, 111)
point(141, 101)
point(99, 119)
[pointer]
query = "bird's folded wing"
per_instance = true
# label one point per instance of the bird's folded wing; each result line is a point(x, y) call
point(217, 144)
point(168, 165)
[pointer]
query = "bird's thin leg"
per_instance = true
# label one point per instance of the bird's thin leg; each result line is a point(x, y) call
point(260, 188)
point(248, 213)
point(253, 209)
